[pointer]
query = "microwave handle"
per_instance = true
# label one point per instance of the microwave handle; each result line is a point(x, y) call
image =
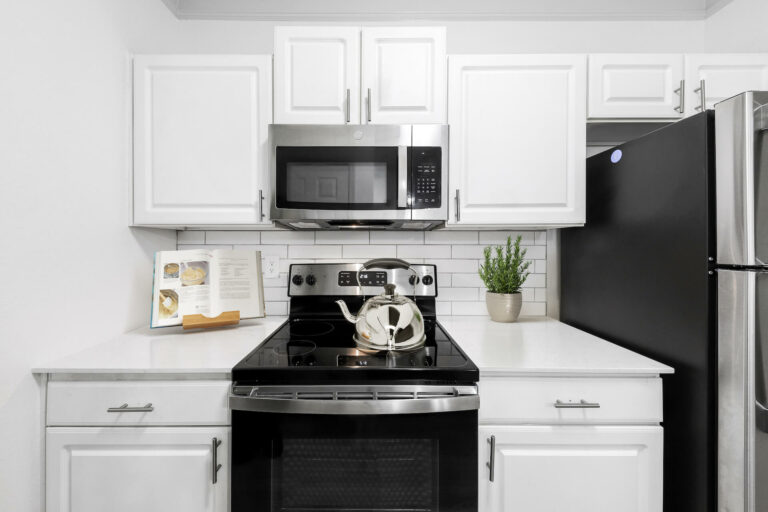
point(402, 176)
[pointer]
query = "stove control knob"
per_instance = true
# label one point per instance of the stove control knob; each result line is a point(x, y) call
point(311, 280)
point(297, 280)
point(413, 280)
point(428, 280)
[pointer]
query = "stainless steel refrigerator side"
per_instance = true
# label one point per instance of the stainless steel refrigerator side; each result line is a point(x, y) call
point(733, 178)
point(736, 335)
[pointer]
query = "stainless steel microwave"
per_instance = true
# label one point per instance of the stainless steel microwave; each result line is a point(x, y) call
point(359, 176)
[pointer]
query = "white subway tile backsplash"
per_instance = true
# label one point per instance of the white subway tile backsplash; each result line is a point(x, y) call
point(281, 251)
point(426, 252)
point(190, 237)
point(232, 237)
point(276, 308)
point(454, 266)
point(457, 294)
point(397, 237)
point(500, 237)
point(288, 237)
point(450, 237)
point(315, 251)
point(457, 255)
point(275, 294)
point(468, 280)
point(370, 251)
point(341, 237)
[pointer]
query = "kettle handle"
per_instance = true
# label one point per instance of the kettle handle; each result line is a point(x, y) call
point(386, 263)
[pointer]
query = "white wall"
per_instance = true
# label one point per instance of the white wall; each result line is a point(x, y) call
point(73, 273)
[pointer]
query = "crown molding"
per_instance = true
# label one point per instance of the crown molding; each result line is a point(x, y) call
point(476, 10)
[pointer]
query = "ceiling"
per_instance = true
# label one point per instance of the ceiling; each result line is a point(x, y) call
point(309, 10)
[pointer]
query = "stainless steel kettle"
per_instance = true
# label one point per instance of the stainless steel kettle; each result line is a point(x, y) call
point(387, 321)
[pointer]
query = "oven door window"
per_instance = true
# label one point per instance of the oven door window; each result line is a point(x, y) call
point(336, 178)
point(314, 463)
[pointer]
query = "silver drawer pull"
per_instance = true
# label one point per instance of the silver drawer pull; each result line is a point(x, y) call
point(581, 404)
point(125, 408)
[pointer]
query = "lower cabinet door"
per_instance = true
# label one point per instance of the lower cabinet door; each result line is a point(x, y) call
point(570, 468)
point(130, 469)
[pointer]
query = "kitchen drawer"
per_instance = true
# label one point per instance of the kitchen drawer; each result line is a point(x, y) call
point(532, 400)
point(184, 402)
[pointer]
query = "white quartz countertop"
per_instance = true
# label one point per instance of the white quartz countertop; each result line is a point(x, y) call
point(534, 345)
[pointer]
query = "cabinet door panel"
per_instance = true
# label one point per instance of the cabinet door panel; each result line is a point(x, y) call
point(200, 137)
point(405, 70)
point(315, 69)
point(635, 85)
point(725, 75)
point(518, 138)
point(92, 469)
point(578, 469)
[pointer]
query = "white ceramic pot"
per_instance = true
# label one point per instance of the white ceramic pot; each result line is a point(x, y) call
point(504, 307)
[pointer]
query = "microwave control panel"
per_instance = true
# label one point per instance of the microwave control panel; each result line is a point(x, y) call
point(425, 176)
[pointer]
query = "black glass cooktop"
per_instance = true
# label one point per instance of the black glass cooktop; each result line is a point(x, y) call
point(322, 351)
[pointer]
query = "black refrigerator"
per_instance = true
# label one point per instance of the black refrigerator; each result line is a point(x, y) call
point(670, 264)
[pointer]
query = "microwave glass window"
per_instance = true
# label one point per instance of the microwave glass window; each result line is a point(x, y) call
point(337, 182)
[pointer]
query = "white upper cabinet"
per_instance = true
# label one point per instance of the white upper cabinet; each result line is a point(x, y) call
point(337, 75)
point(317, 75)
point(404, 77)
point(569, 468)
point(723, 76)
point(635, 86)
point(200, 139)
point(124, 469)
point(518, 139)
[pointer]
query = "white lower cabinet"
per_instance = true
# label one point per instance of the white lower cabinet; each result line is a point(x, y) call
point(129, 469)
point(571, 468)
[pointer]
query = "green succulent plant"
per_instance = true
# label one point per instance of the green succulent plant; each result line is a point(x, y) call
point(507, 270)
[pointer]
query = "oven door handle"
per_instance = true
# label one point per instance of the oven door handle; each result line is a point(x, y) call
point(402, 176)
point(355, 407)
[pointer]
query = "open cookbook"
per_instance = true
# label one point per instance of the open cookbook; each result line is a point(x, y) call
point(207, 282)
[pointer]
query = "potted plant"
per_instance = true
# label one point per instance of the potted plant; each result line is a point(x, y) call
point(503, 275)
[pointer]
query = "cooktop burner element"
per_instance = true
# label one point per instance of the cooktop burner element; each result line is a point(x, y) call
point(310, 328)
point(316, 345)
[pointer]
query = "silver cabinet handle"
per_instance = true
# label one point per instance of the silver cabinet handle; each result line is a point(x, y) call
point(215, 443)
point(581, 404)
point(680, 91)
point(702, 90)
point(368, 103)
point(458, 206)
point(261, 204)
point(491, 464)
point(125, 408)
point(347, 107)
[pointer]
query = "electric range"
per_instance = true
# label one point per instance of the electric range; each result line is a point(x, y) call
point(319, 424)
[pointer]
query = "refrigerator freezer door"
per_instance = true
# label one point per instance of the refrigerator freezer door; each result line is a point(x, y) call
point(742, 179)
point(743, 364)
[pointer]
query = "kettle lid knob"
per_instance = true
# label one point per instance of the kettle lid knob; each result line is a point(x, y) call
point(389, 289)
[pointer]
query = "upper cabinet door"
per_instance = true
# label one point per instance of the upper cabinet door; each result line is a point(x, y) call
point(518, 139)
point(200, 139)
point(723, 75)
point(404, 75)
point(636, 86)
point(317, 75)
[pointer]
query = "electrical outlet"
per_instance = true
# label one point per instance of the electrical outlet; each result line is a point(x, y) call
point(270, 266)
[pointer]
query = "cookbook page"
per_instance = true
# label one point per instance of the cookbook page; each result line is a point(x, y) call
point(182, 286)
point(237, 283)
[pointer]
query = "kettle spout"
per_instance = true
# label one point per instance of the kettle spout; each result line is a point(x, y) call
point(345, 311)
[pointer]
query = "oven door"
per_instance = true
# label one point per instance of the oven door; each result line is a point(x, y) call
point(373, 461)
point(340, 172)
